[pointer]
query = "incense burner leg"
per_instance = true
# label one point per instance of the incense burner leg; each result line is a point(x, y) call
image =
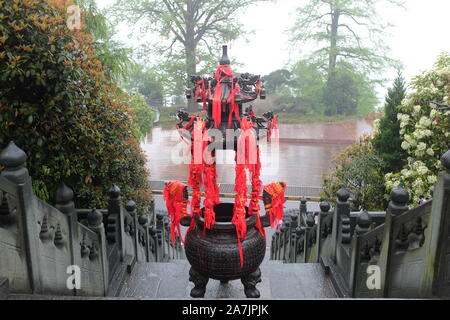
point(250, 283)
point(200, 282)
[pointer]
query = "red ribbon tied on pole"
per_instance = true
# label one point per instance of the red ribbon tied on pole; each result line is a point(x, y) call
point(275, 209)
point(223, 72)
point(200, 92)
point(176, 202)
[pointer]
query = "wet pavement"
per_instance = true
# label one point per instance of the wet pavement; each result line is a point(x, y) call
point(279, 281)
point(305, 153)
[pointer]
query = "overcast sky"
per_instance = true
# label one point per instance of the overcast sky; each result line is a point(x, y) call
point(419, 34)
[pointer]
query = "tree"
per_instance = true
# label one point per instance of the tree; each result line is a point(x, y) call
point(359, 170)
point(58, 106)
point(276, 79)
point(387, 140)
point(193, 28)
point(346, 30)
point(142, 116)
point(146, 82)
point(113, 54)
point(349, 92)
point(302, 93)
point(340, 95)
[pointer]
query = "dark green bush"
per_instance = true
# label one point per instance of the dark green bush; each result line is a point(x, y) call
point(57, 105)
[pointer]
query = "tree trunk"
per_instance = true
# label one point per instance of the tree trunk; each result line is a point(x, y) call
point(190, 46)
point(191, 69)
point(333, 44)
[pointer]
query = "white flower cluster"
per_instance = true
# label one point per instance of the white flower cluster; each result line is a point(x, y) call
point(425, 131)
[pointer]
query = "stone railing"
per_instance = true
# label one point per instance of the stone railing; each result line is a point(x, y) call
point(39, 242)
point(399, 253)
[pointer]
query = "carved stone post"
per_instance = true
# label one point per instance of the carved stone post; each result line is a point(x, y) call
point(324, 211)
point(64, 203)
point(344, 215)
point(14, 160)
point(397, 205)
point(293, 239)
point(310, 222)
point(362, 226)
point(302, 213)
point(437, 239)
point(131, 209)
point(113, 234)
point(143, 221)
point(159, 237)
point(95, 223)
point(341, 212)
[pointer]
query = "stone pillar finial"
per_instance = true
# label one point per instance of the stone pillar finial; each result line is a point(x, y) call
point(131, 207)
point(95, 219)
point(343, 212)
point(363, 223)
point(143, 220)
point(399, 200)
point(114, 192)
point(445, 160)
point(310, 221)
point(324, 207)
point(14, 159)
point(64, 199)
point(343, 195)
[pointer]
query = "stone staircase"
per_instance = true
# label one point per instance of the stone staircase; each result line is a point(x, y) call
point(170, 281)
point(279, 281)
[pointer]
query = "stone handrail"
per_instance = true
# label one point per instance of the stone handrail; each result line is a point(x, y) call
point(399, 253)
point(41, 244)
point(405, 257)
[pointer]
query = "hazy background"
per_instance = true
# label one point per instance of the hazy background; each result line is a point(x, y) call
point(419, 34)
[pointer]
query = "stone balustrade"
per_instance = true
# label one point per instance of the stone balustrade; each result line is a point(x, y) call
point(400, 253)
point(39, 242)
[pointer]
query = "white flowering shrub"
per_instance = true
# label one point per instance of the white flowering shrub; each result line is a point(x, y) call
point(425, 130)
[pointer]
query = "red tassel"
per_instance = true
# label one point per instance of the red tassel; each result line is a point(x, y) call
point(176, 207)
point(276, 190)
point(272, 126)
point(200, 92)
point(254, 207)
point(223, 72)
point(241, 253)
point(234, 106)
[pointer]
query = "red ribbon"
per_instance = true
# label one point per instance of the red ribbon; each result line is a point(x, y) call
point(176, 207)
point(276, 190)
point(223, 72)
point(272, 126)
point(200, 92)
point(234, 106)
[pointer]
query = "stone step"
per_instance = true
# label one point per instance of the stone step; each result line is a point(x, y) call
point(4, 288)
point(150, 281)
point(279, 281)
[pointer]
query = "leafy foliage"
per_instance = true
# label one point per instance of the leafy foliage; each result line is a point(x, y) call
point(194, 29)
point(359, 170)
point(341, 95)
point(146, 82)
point(142, 117)
point(344, 30)
point(308, 91)
point(387, 139)
point(276, 79)
point(425, 131)
point(57, 105)
point(113, 54)
point(351, 53)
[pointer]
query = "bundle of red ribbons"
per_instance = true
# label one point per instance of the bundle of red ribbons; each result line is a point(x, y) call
point(204, 172)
